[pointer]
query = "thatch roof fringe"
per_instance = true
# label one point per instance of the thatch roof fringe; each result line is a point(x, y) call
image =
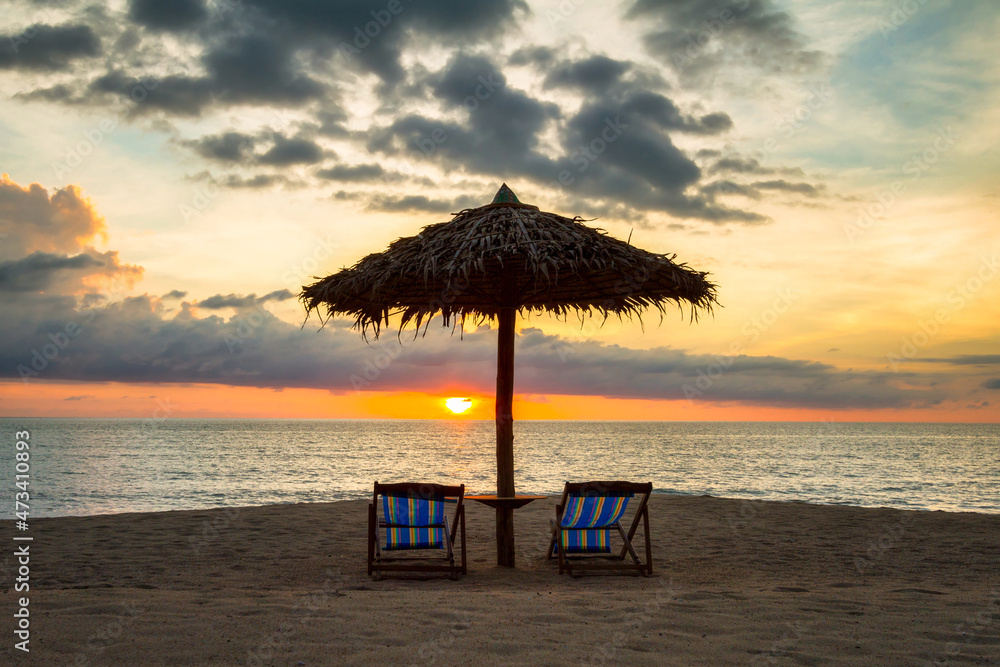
point(557, 265)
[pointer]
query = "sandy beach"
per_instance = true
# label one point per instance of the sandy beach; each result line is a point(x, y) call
point(736, 582)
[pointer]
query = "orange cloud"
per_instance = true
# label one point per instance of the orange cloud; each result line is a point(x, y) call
point(35, 222)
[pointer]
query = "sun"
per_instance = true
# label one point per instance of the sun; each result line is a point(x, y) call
point(458, 405)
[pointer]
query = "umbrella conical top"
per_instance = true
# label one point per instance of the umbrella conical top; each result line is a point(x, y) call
point(553, 264)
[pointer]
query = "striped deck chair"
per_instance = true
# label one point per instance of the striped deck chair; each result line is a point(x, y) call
point(587, 515)
point(413, 522)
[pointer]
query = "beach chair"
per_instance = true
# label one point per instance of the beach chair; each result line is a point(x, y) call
point(586, 517)
point(413, 520)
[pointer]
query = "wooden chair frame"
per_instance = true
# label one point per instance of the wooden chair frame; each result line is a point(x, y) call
point(379, 562)
point(584, 562)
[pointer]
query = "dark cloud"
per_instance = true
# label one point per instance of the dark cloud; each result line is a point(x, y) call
point(807, 189)
point(634, 144)
point(168, 14)
point(594, 75)
point(176, 94)
point(276, 150)
point(38, 270)
point(372, 37)
point(225, 147)
point(966, 360)
point(535, 56)
point(638, 162)
point(616, 148)
point(174, 294)
point(419, 203)
point(45, 47)
point(287, 152)
point(697, 40)
point(256, 182)
point(501, 133)
point(645, 106)
point(992, 383)
point(738, 165)
point(358, 172)
point(716, 188)
point(259, 52)
point(59, 93)
point(239, 302)
point(134, 341)
point(258, 69)
point(245, 69)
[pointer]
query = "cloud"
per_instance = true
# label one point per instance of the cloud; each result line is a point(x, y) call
point(175, 94)
point(46, 242)
point(225, 147)
point(594, 75)
point(255, 68)
point(699, 40)
point(172, 15)
point(727, 187)
point(239, 302)
point(537, 56)
point(37, 271)
point(615, 152)
point(501, 131)
point(966, 360)
point(616, 149)
point(41, 272)
point(372, 37)
point(287, 152)
point(807, 189)
point(420, 203)
point(358, 172)
point(45, 47)
point(735, 164)
point(285, 53)
point(134, 341)
point(241, 69)
point(277, 150)
point(992, 383)
point(33, 221)
point(258, 182)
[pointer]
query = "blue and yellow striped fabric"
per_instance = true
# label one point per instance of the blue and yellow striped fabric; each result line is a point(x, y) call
point(596, 512)
point(413, 523)
point(593, 511)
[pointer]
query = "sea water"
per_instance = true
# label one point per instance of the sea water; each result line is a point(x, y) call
point(99, 466)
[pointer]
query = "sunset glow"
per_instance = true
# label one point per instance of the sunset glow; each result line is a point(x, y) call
point(458, 405)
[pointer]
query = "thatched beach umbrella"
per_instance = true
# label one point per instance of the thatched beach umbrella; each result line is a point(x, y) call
point(492, 262)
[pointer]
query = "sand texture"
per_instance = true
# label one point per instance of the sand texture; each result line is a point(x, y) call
point(734, 583)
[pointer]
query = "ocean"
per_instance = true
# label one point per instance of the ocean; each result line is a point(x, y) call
point(102, 466)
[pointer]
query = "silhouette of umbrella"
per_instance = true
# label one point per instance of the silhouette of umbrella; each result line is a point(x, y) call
point(491, 262)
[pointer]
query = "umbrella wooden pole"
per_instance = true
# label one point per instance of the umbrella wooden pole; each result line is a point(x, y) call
point(505, 437)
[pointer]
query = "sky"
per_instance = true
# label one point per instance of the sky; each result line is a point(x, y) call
point(175, 172)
